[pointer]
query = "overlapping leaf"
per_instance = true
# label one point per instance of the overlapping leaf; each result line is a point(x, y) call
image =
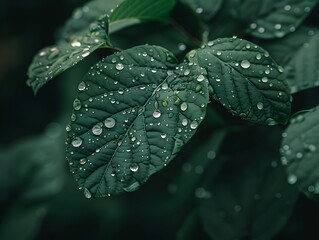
point(135, 11)
point(83, 17)
point(206, 9)
point(51, 61)
point(245, 80)
point(272, 18)
point(134, 112)
point(300, 152)
point(249, 199)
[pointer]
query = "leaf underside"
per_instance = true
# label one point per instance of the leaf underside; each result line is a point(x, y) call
point(136, 109)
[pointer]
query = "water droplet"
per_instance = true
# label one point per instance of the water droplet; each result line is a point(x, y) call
point(109, 122)
point(211, 154)
point(164, 86)
point(186, 72)
point(194, 124)
point(81, 86)
point(97, 129)
point(184, 122)
point(245, 64)
point(210, 43)
point(200, 78)
point(134, 167)
point(219, 53)
point(83, 161)
point(181, 47)
point(260, 105)
point(119, 66)
point(264, 79)
point(157, 113)
point(183, 106)
point(292, 179)
point(76, 44)
point(87, 193)
point(280, 69)
point(199, 10)
point(163, 135)
point(68, 128)
point(77, 142)
point(85, 54)
point(77, 104)
point(258, 56)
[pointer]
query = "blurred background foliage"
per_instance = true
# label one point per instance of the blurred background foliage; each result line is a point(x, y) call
point(227, 180)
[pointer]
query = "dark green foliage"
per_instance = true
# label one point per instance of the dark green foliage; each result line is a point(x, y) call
point(168, 69)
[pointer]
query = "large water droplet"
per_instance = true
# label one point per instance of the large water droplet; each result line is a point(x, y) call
point(260, 105)
point(184, 106)
point(87, 193)
point(76, 44)
point(163, 135)
point(77, 104)
point(81, 86)
point(194, 124)
point(184, 122)
point(119, 66)
point(109, 122)
point(83, 161)
point(134, 167)
point(97, 129)
point(245, 64)
point(77, 142)
point(292, 179)
point(157, 113)
point(200, 78)
point(264, 79)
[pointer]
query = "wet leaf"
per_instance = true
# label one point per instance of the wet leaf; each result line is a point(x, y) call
point(300, 152)
point(135, 11)
point(83, 17)
point(206, 9)
point(245, 80)
point(270, 19)
point(134, 112)
point(249, 198)
point(53, 60)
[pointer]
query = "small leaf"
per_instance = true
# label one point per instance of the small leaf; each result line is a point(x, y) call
point(272, 18)
point(206, 9)
point(249, 198)
point(84, 16)
point(245, 80)
point(300, 152)
point(51, 61)
point(135, 11)
point(134, 112)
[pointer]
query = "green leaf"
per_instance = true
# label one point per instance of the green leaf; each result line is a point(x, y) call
point(134, 112)
point(206, 9)
point(300, 152)
point(303, 68)
point(51, 61)
point(84, 16)
point(249, 198)
point(272, 18)
point(31, 173)
point(245, 80)
point(136, 11)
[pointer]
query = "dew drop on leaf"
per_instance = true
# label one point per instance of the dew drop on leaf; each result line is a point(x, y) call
point(245, 64)
point(81, 86)
point(292, 179)
point(183, 106)
point(109, 122)
point(87, 193)
point(77, 142)
point(83, 161)
point(134, 167)
point(200, 78)
point(97, 129)
point(77, 104)
point(194, 124)
point(119, 66)
point(157, 113)
point(260, 105)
